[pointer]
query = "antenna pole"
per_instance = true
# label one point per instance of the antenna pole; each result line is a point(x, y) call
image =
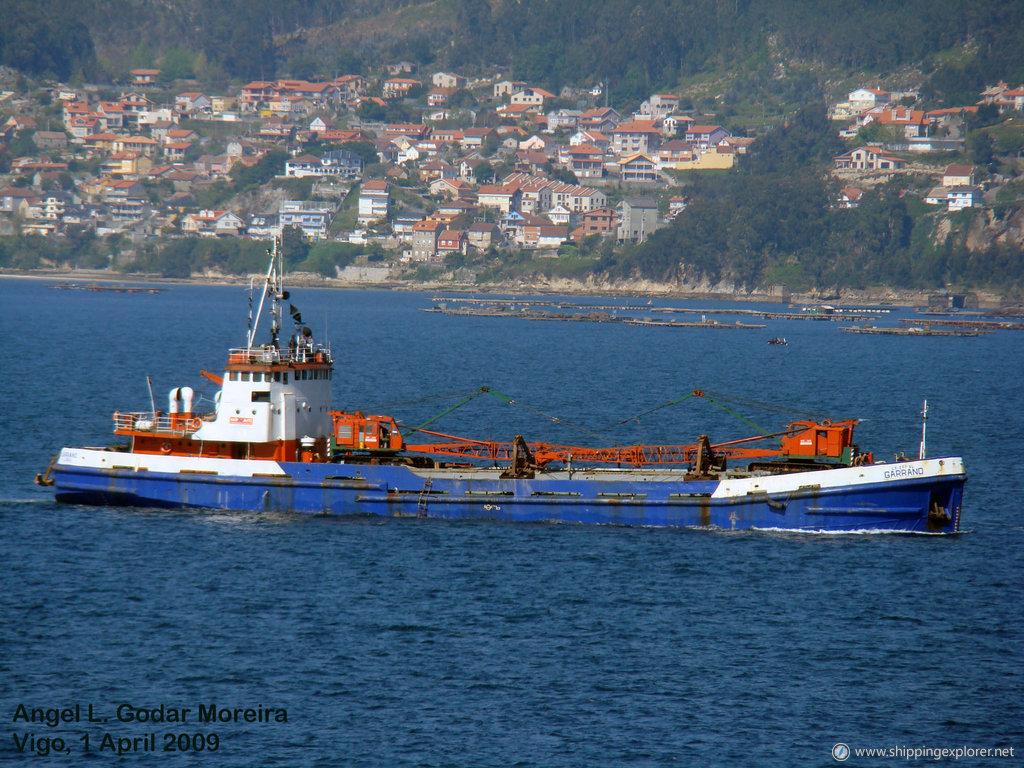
point(152, 400)
point(924, 426)
point(263, 298)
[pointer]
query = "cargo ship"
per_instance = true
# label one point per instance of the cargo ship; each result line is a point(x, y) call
point(274, 443)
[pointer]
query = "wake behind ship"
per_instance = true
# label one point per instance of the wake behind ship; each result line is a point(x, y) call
point(273, 442)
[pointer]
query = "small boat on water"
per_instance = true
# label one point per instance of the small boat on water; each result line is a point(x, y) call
point(778, 340)
point(274, 443)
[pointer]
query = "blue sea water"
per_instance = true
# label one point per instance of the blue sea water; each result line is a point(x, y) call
point(402, 642)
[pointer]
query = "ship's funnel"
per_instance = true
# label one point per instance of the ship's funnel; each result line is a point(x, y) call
point(187, 396)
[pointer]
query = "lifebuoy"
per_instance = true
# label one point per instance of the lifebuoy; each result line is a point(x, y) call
point(166, 447)
point(195, 423)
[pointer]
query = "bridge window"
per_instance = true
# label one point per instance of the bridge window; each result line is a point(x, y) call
point(261, 397)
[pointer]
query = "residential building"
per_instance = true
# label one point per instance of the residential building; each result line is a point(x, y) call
point(674, 151)
point(601, 119)
point(868, 98)
point(191, 103)
point(434, 170)
point(451, 189)
point(50, 139)
point(543, 235)
point(637, 220)
point(563, 119)
point(660, 105)
point(425, 235)
point(438, 97)
point(638, 168)
point(448, 80)
point(585, 160)
point(562, 216)
point(600, 221)
point(507, 88)
point(209, 223)
point(963, 197)
point(958, 176)
point(849, 197)
point(505, 198)
point(452, 241)
point(483, 234)
point(531, 97)
point(574, 197)
point(593, 138)
point(263, 226)
point(474, 138)
point(535, 195)
point(313, 218)
point(913, 122)
point(142, 77)
point(635, 136)
point(254, 94)
point(411, 131)
point(125, 199)
point(867, 159)
point(337, 163)
point(399, 87)
point(1012, 100)
point(374, 197)
point(704, 137)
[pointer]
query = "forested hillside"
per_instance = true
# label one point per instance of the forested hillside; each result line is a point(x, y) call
point(632, 48)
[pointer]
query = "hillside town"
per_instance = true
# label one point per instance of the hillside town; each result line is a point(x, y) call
point(490, 164)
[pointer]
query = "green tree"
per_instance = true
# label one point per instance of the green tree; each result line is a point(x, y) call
point(294, 246)
point(177, 64)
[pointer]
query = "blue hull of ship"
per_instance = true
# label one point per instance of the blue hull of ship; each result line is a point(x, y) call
point(397, 491)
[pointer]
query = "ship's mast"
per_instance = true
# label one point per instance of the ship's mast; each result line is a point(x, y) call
point(924, 427)
point(274, 285)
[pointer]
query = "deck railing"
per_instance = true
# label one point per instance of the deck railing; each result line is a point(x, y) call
point(162, 423)
point(299, 353)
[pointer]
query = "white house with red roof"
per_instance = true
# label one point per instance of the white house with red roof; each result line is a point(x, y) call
point(849, 197)
point(638, 168)
point(532, 97)
point(1012, 100)
point(505, 198)
point(913, 122)
point(868, 159)
point(210, 223)
point(585, 160)
point(191, 103)
point(594, 138)
point(111, 115)
point(144, 76)
point(399, 87)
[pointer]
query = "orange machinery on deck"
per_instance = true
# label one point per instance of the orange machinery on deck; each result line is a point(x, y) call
point(804, 440)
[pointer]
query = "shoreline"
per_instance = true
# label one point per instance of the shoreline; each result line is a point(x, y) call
point(878, 297)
